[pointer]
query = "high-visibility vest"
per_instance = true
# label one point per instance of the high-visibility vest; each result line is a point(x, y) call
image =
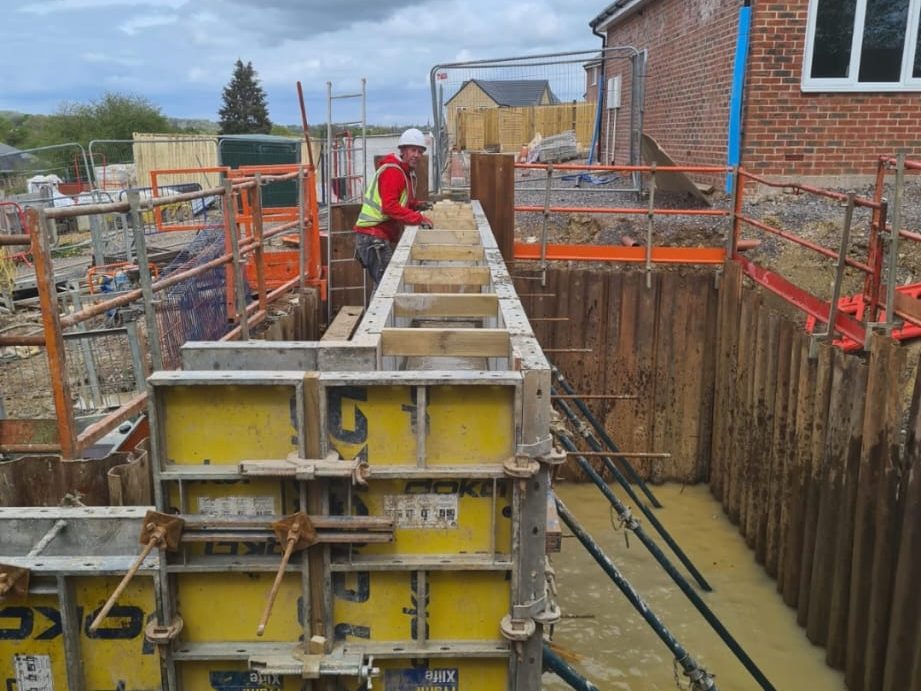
point(371, 213)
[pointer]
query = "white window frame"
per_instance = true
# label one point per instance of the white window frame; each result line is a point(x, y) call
point(850, 83)
point(594, 80)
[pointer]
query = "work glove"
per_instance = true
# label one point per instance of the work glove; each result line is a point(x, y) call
point(426, 223)
point(423, 206)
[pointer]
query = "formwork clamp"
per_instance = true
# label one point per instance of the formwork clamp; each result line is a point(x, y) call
point(521, 467)
point(517, 630)
point(536, 449)
point(161, 635)
point(309, 468)
point(14, 581)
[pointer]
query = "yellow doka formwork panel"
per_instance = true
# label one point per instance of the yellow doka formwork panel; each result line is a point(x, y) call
point(464, 424)
point(32, 639)
point(444, 675)
point(470, 424)
point(228, 424)
point(250, 497)
point(228, 675)
point(383, 606)
point(448, 516)
point(220, 607)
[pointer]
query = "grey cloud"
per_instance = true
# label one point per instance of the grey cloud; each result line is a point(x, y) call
point(302, 19)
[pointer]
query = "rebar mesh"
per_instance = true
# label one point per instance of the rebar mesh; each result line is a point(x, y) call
point(194, 309)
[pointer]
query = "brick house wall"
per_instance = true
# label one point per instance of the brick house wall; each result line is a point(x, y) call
point(788, 132)
point(785, 132)
point(690, 46)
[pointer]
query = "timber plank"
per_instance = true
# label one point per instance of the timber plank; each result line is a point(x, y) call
point(434, 342)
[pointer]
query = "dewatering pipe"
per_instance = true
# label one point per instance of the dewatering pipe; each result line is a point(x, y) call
point(599, 428)
point(622, 481)
point(701, 680)
point(632, 524)
point(561, 668)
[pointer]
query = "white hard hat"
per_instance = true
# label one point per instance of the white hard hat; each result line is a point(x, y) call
point(412, 137)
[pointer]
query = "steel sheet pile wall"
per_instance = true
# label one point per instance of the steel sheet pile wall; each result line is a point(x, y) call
point(656, 343)
point(807, 460)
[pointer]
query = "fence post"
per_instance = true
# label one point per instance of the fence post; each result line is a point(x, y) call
point(54, 336)
point(255, 206)
point(150, 312)
point(230, 223)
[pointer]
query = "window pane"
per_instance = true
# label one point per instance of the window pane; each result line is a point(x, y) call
point(916, 72)
point(831, 47)
point(883, 41)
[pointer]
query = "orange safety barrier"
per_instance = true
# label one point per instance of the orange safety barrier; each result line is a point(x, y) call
point(617, 253)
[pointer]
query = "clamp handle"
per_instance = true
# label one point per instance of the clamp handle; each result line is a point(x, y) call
point(296, 532)
point(159, 530)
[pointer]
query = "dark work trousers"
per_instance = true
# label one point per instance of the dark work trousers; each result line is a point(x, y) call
point(374, 254)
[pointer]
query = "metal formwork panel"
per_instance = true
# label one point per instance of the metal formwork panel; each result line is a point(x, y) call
point(74, 559)
point(421, 486)
point(436, 452)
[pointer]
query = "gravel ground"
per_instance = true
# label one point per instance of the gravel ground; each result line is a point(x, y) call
point(813, 218)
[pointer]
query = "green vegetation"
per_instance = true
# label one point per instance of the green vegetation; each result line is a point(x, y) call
point(244, 110)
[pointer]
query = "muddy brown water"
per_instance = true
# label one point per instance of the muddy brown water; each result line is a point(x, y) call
point(620, 652)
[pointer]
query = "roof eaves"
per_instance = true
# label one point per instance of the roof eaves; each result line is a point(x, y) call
point(615, 12)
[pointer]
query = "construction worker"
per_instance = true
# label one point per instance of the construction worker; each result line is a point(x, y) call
point(390, 204)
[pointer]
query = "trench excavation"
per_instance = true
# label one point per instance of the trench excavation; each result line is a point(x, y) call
point(798, 443)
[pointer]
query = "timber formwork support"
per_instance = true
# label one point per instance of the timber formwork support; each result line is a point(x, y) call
point(327, 512)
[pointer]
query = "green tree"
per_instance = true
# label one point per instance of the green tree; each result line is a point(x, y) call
point(244, 110)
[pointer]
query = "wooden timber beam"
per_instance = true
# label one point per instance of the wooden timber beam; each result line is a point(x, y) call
point(445, 342)
point(445, 305)
point(447, 252)
point(450, 237)
point(454, 276)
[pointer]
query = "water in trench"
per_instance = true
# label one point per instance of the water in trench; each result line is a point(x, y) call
point(620, 652)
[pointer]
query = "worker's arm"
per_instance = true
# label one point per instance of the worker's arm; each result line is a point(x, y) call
point(391, 184)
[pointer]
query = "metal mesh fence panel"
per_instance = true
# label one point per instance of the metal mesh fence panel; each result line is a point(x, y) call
point(584, 105)
point(194, 309)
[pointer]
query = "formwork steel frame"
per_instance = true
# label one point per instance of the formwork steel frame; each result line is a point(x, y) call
point(248, 247)
point(444, 338)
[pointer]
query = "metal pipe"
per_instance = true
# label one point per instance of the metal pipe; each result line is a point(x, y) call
point(631, 471)
point(236, 264)
point(700, 678)
point(52, 533)
point(632, 524)
point(831, 254)
point(150, 315)
point(627, 169)
point(893, 257)
point(630, 210)
point(650, 224)
point(622, 481)
point(558, 666)
point(543, 234)
point(839, 269)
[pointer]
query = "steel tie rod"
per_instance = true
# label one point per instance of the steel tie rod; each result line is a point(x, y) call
point(701, 680)
point(622, 481)
point(631, 471)
point(685, 587)
point(564, 671)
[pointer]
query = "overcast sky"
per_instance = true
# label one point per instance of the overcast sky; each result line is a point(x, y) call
point(179, 54)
